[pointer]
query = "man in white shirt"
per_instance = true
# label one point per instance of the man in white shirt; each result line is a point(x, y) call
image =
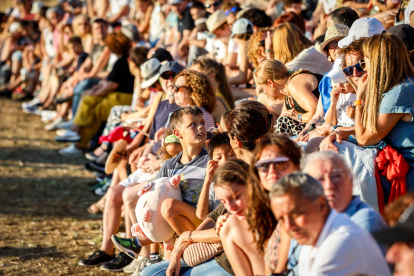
point(332, 243)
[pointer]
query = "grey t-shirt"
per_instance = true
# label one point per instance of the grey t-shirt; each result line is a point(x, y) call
point(96, 52)
point(192, 175)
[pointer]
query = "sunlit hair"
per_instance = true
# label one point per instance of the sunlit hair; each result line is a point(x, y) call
point(288, 42)
point(209, 66)
point(389, 65)
point(293, 18)
point(232, 172)
point(118, 43)
point(253, 49)
point(261, 222)
point(201, 90)
point(75, 25)
point(271, 69)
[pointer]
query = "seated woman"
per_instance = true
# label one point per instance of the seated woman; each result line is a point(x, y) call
point(97, 102)
point(299, 90)
point(384, 106)
point(217, 72)
point(257, 240)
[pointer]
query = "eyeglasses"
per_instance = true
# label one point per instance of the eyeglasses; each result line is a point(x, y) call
point(333, 45)
point(168, 75)
point(262, 43)
point(279, 164)
point(349, 71)
point(232, 10)
point(179, 87)
point(215, 4)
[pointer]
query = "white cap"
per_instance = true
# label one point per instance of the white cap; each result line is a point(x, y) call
point(241, 26)
point(150, 71)
point(336, 73)
point(363, 27)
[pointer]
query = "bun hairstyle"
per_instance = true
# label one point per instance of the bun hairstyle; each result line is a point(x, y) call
point(249, 122)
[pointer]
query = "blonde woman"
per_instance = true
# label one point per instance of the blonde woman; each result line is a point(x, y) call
point(82, 28)
point(384, 108)
point(298, 90)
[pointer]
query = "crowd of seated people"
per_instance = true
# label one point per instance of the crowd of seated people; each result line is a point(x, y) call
point(288, 124)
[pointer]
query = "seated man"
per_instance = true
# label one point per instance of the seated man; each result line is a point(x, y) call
point(331, 170)
point(299, 203)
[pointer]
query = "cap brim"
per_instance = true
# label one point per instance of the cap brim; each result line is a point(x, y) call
point(110, 164)
point(151, 81)
point(344, 42)
point(399, 233)
point(170, 69)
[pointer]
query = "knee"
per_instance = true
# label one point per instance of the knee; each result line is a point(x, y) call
point(129, 198)
point(167, 208)
point(114, 194)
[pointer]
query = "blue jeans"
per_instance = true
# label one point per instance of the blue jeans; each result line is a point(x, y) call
point(210, 267)
point(77, 92)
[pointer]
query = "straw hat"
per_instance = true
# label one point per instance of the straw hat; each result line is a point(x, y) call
point(215, 20)
point(336, 31)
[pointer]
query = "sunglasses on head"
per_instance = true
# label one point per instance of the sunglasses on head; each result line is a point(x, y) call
point(279, 164)
point(262, 43)
point(168, 75)
point(215, 4)
point(179, 87)
point(349, 71)
point(232, 10)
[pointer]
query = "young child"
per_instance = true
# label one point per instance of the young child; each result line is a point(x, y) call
point(171, 147)
point(219, 151)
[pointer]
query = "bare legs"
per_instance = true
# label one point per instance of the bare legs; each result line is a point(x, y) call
point(179, 215)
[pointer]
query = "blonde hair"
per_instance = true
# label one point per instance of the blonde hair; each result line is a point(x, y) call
point(254, 45)
point(271, 69)
point(75, 23)
point(387, 69)
point(288, 42)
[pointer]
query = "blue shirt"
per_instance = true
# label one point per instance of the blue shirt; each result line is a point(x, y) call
point(325, 88)
point(360, 213)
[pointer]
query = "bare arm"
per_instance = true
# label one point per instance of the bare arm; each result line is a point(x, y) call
point(100, 63)
point(244, 65)
point(203, 201)
point(124, 11)
point(106, 89)
point(144, 26)
point(181, 49)
point(300, 89)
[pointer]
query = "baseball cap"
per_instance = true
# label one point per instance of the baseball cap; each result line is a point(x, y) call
point(336, 73)
point(363, 27)
point(174, 2)
point(215, 20)
point(402, 232)
point(172, 66)
point(131, 31)
point(241, 26)
point(150, 71)
point(406, 33)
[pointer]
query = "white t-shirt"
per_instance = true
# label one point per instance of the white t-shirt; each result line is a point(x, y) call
point(342, 248)
point(209, 41)
point(408, 10)
point(344, 100)
point(329, 6)
point(233, 47)
point(116, 5)
point(219, 49)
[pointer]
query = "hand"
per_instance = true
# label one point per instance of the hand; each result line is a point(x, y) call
point(290, 113)
point(302, 134)
point(268, 41)
point(350, 112)
point(124, 116)
point(362, 86)
point(175, 264)
point(211, 168)
point(325, 129)
point(136, 154)
point(335, 95)
point(181, 240)
point(327, 143)
point(220, 221)
point(161, 132)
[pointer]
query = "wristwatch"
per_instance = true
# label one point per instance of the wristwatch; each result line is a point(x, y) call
point(358, 102)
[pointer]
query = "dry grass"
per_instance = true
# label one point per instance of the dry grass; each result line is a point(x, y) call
point(44, 225)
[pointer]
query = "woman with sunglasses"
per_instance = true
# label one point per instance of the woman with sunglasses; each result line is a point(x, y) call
point(384, 106)
point(257, 240)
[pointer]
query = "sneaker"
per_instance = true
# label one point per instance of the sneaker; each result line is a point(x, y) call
point(91, 156)
point(97, 258)
point(54, 123)
point(48, 115)
point(132, 266)
point(101, 191)
point(69, 136)
point(33, 102)
point(141, 264)
point(71, 151)
point(154, 260)
point(118, 263)
point(127, 245)
point(65, 125)
point(35, 110)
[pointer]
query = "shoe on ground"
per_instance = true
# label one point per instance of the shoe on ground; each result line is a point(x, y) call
point(91, 156)
point(65, 125)
point(96, 259)
point(94, 167)
point(132, 266)
point(35, 110)
point(154, 260)
point(127, 245)
point(101, 191)
point(35, 101)
point(71, 151)
point(54, 123)
point(117, 264)
point(48, 115)
point(141, 264)
point(69, 136)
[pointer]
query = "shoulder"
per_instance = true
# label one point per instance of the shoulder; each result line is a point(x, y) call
point(368, 219)
point(398, 96)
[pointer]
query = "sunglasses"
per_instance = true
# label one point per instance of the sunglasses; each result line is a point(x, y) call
point(168, 75)
point(232, 10)
point(262, 43)
point(333, 45)
point(215, 4)
point(279, 164)
point(179, 87)
point(349, 71)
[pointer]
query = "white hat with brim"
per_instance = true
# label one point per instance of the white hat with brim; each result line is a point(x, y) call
point(336, 73)
point(150, 71)
point(241, 26)
point(215, 20)
point(363, 27)
point(113, 161)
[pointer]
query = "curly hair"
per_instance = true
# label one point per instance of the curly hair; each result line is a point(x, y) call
point(254, 45)
point(258, 209)
point(354, 47)
point(118, 43)
point(201, 90)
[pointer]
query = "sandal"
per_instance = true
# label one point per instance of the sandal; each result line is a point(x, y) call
point(97, 208)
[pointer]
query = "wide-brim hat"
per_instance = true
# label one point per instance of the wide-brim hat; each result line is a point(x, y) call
point(215, 20)
point(150, 71)
point(113, 161)
point(336, 31)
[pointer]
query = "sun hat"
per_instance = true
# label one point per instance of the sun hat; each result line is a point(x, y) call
point(215, 20)
point(363, 27)
point(113, 161)
point(241, 26)
point(406, 33)
point(131, 31)
point(402, 232)
point(336, 73)
point(150, 71)
point(334, 32)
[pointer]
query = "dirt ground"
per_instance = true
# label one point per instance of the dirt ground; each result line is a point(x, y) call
point(44, 225)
